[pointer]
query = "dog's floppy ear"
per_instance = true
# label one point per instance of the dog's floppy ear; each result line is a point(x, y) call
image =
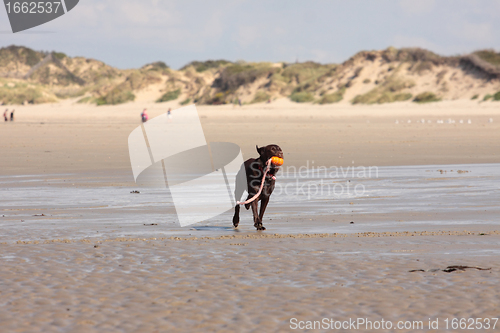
point(260, 150)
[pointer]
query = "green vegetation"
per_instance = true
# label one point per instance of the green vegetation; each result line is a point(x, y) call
point(387, 92)
point(139, 79)
point(59, 55)
point(487, 97)
point(260, 96)
point(489, 56)
point(496, 97)
point(426, 97)
point(186, 101)
point(19, 54)
point(475, 97)
point(402, 97)
point(414, 55)
point(384, 97)
point(308, 76)
point(219, 98)
point(234, 76)
point(169, 96)
point(303, 72)
point(158, 66)
point(332, 98)
point(115, 96)
point(70, 93)
point(302, 97)
point(423, 66)
point(201, 66)
point(21, 93)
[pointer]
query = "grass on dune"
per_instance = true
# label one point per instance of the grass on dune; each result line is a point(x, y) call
point(426, 97)
point(332, 98)
point(489, 56)
point(391, 90)
point(260, 97)
point(302, 97)
point(169, 96)
point(115, 96)
point(201, 66)
point(20, 93)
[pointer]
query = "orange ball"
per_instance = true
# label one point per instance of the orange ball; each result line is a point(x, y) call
point(277, 161)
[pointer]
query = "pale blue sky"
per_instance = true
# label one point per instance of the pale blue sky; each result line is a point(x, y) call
point(131, 33)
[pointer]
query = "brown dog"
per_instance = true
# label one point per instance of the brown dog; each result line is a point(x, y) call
point(254, 169)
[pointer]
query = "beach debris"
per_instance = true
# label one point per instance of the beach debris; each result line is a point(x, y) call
point(440, 121)
point(135, 192)
point(450, 269)
point(469, 121)
point(39, 215)
point(490, 120)
point(397, 121)
point(352, 222)
point(461, 121)
point(151, 224)
point(96, 246)
point(458, 171)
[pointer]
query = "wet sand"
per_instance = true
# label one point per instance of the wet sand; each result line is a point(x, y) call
point(79, 252)
point(451, 197)
point(245, 284)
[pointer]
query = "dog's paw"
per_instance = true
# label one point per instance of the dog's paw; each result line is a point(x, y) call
point(260, 227)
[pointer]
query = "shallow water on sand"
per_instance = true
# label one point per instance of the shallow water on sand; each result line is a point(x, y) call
point(402, 198)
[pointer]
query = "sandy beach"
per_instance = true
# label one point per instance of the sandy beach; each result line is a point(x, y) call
point(69, 137)
point(80, 253)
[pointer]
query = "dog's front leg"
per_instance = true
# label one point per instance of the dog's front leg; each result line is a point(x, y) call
point(257, 222)
point(263, 206)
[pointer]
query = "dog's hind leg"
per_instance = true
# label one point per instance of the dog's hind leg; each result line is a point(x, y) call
point(236, 217)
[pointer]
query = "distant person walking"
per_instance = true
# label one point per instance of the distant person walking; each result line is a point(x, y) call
point(12, 115)
point(169, 113)
point(144, 116)
point(5, 114)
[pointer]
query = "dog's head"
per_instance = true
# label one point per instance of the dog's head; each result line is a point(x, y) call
point(269, 151)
